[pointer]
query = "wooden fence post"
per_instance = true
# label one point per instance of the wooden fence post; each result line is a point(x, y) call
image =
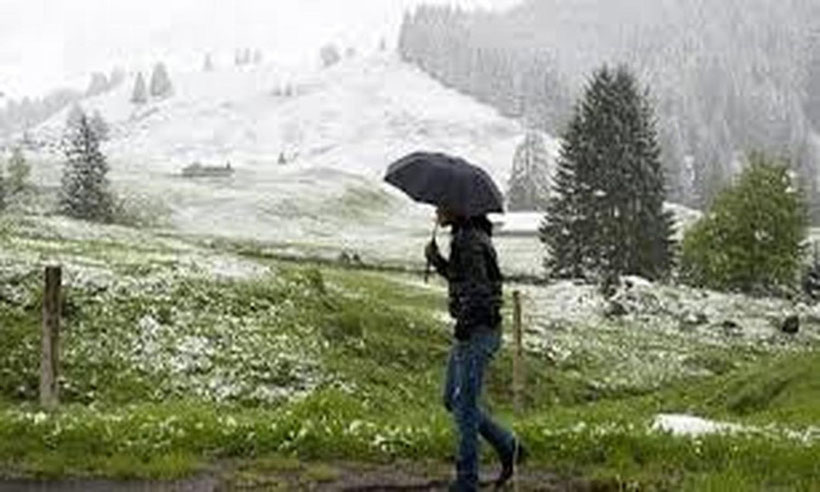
point(49, 358)
point(518, 354)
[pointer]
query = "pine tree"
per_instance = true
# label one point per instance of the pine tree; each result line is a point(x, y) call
point(140, 94)
point(85, 191)
point(566, 230)
point(330, 55)
point(99, 84)
point(654, 226)
point(529, 182)
point(812, 105)
point(3, 190)
point(74, 115)
point(607, 218)
point(100, 127)
point(160, 82)
point(208, 64)
point(18, 170)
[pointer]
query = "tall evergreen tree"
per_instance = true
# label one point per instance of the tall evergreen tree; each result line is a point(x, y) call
point(566, 230)
point(100, 126)
point(74, 115)
point(140, 94)
point(529, 182)
point(99, 84)
point(85, 191)
point(607, 218)
point(18, 170)
point(161, 82)
point(330, 55)
point(812, 105)
point(3, 189)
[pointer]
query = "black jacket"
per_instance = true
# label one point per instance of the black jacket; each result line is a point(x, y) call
point(475, 281)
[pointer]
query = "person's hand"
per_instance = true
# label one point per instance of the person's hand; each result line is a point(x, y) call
point(431, 251)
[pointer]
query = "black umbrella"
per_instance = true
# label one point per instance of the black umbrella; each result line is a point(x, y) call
point(446, 181)
point(443, 180)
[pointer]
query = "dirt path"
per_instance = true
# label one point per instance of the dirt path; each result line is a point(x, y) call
point(204, 483)
point(284, 475)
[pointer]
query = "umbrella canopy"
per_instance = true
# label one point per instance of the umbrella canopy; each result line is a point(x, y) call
point(443, 180)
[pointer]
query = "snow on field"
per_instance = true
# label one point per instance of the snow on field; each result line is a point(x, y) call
point(167, 319)
point(687, 425)
point(94, 253)
point(692, 426)
point(649, 334)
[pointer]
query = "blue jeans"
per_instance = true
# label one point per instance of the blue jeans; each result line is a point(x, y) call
point(462, 390)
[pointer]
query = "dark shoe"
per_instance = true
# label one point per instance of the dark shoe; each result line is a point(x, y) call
point(508, 463)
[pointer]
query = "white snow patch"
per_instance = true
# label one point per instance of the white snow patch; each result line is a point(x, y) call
point(688, 425)
point(518, 223)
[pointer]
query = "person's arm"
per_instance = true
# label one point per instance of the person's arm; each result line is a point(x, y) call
point(434, 257)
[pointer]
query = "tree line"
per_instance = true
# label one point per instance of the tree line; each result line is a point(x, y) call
point(726, 76)
point(604, 204)
point(521, 83)
point(26, 113)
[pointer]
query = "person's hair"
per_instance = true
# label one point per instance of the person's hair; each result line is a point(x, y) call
point(483, 223)
point(477, 221)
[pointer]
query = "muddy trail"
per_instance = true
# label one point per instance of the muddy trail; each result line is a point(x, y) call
point(320, 477)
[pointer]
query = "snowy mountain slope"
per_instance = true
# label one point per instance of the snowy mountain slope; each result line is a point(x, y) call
point(357, 116)
point(339, 129)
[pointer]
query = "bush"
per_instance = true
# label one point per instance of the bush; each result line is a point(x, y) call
point(330, 55)
point(751, 238)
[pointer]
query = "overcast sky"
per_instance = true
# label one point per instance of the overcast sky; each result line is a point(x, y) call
point(50, 43)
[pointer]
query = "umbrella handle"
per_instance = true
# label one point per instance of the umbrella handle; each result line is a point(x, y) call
point(427, 267)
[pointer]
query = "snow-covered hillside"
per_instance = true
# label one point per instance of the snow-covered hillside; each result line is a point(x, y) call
point(339, 128)
point(357, 117)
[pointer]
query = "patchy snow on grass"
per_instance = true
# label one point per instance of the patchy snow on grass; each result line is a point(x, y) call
point(102, 254)
point(681, 425)
point(688, 425)
point(173, 318)
point(651, 334)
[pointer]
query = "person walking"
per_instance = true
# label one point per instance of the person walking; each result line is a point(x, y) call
point(463, 194)
point(475, 298)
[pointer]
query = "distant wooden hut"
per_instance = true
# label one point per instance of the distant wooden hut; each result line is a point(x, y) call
point(197, 170)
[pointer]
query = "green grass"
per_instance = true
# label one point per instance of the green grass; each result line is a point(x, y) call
point(170, 440)
point(784, 389)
